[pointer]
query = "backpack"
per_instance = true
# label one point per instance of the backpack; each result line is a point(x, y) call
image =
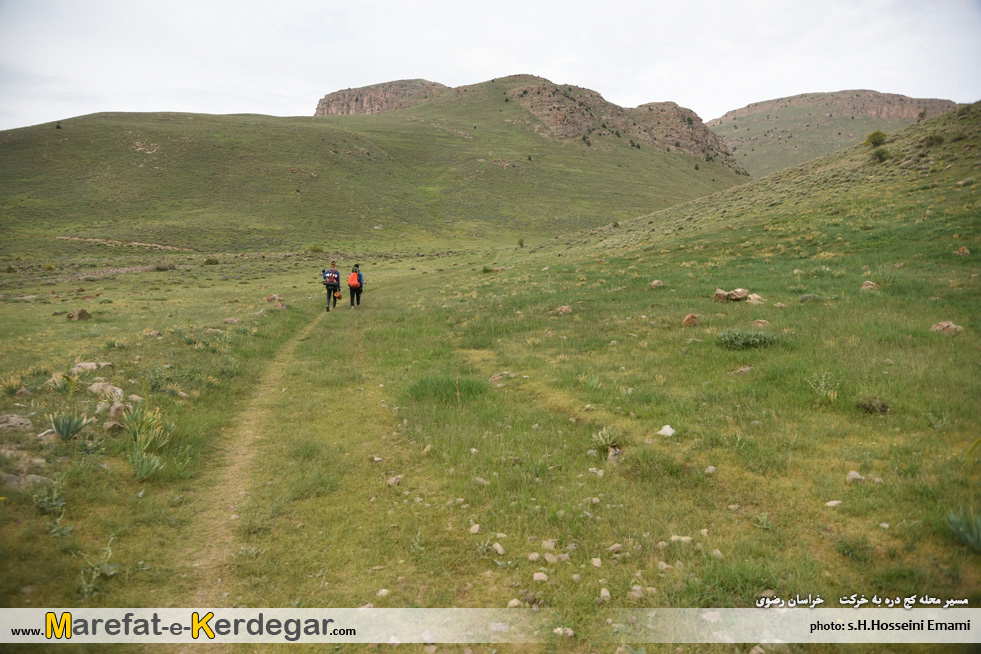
point(331, 278)
point(352, 280)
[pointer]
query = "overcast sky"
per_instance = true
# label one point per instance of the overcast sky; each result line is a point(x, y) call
point(65, 58)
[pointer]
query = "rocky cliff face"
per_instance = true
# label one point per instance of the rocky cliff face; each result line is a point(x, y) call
point(377, 98)
point(571, 112)
point(860, 103)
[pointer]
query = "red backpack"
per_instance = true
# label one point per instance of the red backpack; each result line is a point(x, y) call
point(352, 280)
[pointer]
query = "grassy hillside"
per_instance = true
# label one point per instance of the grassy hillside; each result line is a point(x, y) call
point(492, 416)
point(464, 168)
point(769, 136)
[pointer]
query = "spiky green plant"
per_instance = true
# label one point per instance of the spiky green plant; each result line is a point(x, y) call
point(608, 438)
point(966, 525)
point(145, 464)
point(145, 425)
point(67, 425)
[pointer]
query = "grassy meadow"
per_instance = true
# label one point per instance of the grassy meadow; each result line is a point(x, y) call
point(494, 412)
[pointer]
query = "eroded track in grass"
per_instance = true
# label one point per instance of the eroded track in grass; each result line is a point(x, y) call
point(210, 540)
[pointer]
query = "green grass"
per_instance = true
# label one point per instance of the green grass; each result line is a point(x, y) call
point(392, 446)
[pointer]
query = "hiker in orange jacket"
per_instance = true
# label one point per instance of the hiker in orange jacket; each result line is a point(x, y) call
point(355, 284)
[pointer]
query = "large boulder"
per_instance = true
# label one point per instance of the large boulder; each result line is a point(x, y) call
point(12, 421)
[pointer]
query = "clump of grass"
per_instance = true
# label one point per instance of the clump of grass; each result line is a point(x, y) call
point(444, 388)
point(967, 527)
point(211, 261)
point(67, 425)
point(741, 339)
point(63, 384)
point(113, 344)
point(608, 438)
point(10, 384)
point(871, 404)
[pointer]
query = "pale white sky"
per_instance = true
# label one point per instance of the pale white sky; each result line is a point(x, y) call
point(65, 58)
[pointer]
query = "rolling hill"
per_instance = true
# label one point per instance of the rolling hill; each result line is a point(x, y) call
point(776, 134)
point(506, 159)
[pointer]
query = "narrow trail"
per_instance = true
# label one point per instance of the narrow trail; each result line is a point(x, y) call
point(209, 540)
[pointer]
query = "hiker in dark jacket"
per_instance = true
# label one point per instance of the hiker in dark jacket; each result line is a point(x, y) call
point(355, 284)
point(332, 280)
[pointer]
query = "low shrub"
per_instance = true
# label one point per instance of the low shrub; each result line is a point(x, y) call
point(742, 339)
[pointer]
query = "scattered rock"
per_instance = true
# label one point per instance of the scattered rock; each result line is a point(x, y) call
point(761, 324)
point(737, 295)
point(740, 371)
point(662, 566)
point(22, 392)
point(963, 251)
point(88, 366)
point(604, 596)
point(383, 592)
point(534, 556)
point(755, 299)
point(99, 388)
point(657, 283)
point(395, 481)
point(134, 398)
point(79, 314)
point(12, 421)
point(616, 548)
point(117, 410)
point(475, 529)
point(550, 558)
point(869, 285)
point(564, 631)
point(684, 540)
point(274, 298)
point(854, 476)
point(717, 554)
point(779, 305)
point(947, 327)
point(565, 309)
point(514, 603)
point(233, 321)
point(833, 503)
point(497, 547)
point(481, 481)
point(666, 430)
point(690, 320)
point(710, 470)
point(24, 481)
point(540, 576)
point(548, 544)
point(734, 507)
point(596, 561)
